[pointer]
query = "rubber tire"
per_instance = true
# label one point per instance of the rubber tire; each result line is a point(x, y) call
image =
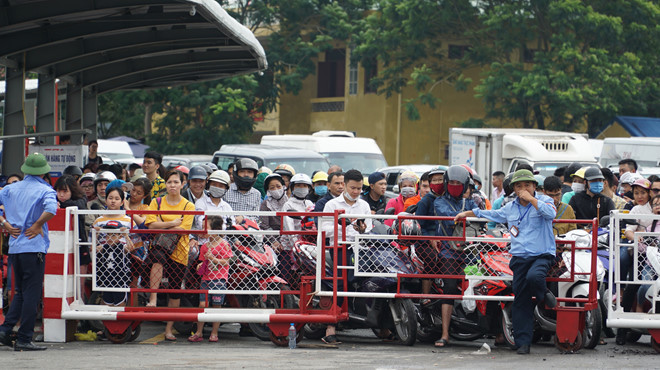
point(507, 330)
point(465, 337)
point(655, 345)
point(406, 328)
point(633, 336)
point(603, 291)
point(314, 331)
point(135, 334)
point(428, 335)
point(117, 338)
point(262, 331)
point(185, 327)
point(283, 341)
point(591, 334)
point(569, 348)
point(96, 298)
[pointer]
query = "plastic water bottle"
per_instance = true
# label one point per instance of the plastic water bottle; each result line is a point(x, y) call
point(292, 336)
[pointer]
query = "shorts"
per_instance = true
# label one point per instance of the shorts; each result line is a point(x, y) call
point(114, 298)
point(174, 272)
point(214, 299)
point(451, 286)
point(157, 255)
point(84, 257)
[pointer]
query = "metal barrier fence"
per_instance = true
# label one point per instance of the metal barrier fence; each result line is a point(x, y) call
point(633, 296)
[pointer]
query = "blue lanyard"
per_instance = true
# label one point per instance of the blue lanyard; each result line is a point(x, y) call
point(522, 215)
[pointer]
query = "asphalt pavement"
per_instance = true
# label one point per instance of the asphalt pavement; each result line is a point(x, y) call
point(360, 350)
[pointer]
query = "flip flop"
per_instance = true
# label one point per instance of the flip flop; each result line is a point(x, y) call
point(170, 338)
point(330, 339)
point(213, 338)
point(442, 343)
point(194, 338)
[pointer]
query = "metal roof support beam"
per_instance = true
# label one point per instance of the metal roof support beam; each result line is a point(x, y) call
point(46, 107)
point(90, 113)
point(13, 150)
point(74, 95)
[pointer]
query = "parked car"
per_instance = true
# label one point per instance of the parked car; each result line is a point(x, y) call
point(393, 173)
point(188, 160)
point(303, 161)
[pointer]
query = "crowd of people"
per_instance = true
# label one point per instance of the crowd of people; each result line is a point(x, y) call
point(574, 192)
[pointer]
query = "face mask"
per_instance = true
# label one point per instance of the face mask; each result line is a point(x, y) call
point(351, 198)
point(245, 182)
point(596, 187)
point(437, 188)
point(577, 187)
point(276, 194)
point(455, 190)
point(217, 192)
point(321, 190)
point(300, 193)
point(408, 192)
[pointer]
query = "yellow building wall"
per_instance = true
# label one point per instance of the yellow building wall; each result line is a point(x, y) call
point(375, 116)
point(614, 130)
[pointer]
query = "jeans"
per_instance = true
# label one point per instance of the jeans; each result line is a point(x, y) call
point(29, 277)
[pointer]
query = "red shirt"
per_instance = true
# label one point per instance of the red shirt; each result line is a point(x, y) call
point(221, 251)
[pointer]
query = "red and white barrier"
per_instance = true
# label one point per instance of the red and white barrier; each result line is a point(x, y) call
point(58, 278)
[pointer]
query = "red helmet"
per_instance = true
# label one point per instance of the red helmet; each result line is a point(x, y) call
point(183, 169)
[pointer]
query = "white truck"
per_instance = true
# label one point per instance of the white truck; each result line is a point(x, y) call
point(644, 150)
point(487, 150)
point(339, 147)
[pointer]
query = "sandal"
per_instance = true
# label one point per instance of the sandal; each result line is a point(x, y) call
point(170, 338)
point(213, 338)
point(442, 343)
point(330, 339)
point(194, 338)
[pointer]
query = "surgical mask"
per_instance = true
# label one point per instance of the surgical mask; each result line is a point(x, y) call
point(577, 187)
point(408, 192)
point(351, 198)
point(216, 191)
point(455, 190)
point(321, 190)
point(300, 193)
point(276, 194)
point(596, 187)
point(437, 188)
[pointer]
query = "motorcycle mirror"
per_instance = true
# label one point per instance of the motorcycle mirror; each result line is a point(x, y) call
point(294, 217)
point(389, 211)
point(605, 221)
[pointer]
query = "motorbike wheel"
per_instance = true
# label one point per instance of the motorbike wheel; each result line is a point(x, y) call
point(427, 335)
point(96, 298)
point(507, 327)
point(185, 327)
point(314, 331)
point(135, 334)
point(655, 345)
point(118, 338)
point(592, 328)
point(602, 302)
point(465, 337)
point(633, 336)
point(262, 331)
point(283, 341)
point(569, 347)
point(405, 323)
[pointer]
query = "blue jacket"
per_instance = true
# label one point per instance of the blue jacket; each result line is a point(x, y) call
point(535, 236)
point(425, 208)
point(24, 203)
point(447, 205)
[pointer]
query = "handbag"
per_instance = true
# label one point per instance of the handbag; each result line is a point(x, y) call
point(203, 268)
point(166, 242)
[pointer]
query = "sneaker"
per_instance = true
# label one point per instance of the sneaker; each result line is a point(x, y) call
point(523, 350)
point(5, 338)
point(550, 300)
point(30, 346)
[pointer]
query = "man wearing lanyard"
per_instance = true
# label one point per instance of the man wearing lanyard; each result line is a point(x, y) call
point(529, 219)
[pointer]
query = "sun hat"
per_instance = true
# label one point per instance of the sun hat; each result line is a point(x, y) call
point(523, 175)
point(35, 164)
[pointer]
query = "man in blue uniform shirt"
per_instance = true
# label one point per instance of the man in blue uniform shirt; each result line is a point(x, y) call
point(529, 219)
point(29, 204)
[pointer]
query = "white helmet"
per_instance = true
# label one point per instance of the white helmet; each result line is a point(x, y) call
point(300, 178)
point(220, 176)
point(105, 176)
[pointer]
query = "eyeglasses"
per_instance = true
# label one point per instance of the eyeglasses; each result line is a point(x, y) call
point(655, 190)
point(656, 205)
point(88, 186)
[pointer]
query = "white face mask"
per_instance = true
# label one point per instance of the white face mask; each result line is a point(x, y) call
point(276, 194)
point(300, 193)
point(577, 187)
point(408, 192)
point(217, 192)
point(351, 198)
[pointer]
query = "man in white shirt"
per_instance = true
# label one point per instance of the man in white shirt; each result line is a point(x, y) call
point(498, 188)
point(351, 203)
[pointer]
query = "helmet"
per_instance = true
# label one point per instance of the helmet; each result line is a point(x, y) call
point(265, 169)
point(630, 178)
point(206, 168)
point(470, 170)
point(114, 184)
point(197, 173)
point(87, 177)
point(320, 176)
point(506, 184)
point(642, 183)
point(580, 173)
point(274, 176)
point(245, 183)
point(183, 169)
point(572, 169)
point(408, 227)
point(438, 170)
point(104, 176)
point(212, 166)
point(220, 176)
point(593, 173)
point(476, 178)
point(285, 170)
point(457, 173)
point(72, 170)
point(300, 178)
point(408, 175)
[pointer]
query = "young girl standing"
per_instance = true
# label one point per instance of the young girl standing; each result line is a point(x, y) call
point(214, 267)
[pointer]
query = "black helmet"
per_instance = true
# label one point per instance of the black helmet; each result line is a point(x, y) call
point(245, 183)
point(72, 170)
point(476, 179)
point(593, 173)
point(457, 173)
point(197, 172)
point(571, 169)
point(506, 184)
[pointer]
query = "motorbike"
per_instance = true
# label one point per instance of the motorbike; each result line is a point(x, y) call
point(394, 314)
point(471, 321)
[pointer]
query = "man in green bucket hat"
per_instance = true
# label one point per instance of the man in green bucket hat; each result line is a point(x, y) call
point(29, 204)
point(529, 218)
